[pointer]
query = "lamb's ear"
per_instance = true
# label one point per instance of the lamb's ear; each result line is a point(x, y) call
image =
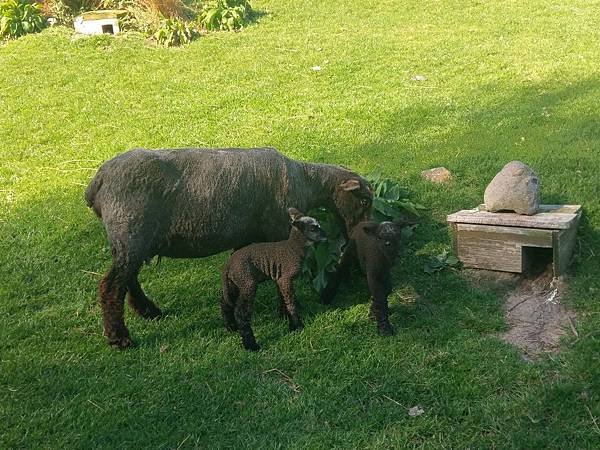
point(370, 228)
point(350, 185)
point(405, 221)
point(294, 214)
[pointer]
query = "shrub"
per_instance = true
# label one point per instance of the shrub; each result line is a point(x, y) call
point(19, 17)
point(225, 15)
point(172, 32)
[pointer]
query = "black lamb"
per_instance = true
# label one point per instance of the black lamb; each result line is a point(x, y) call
point(251, 265)
point(375, 245)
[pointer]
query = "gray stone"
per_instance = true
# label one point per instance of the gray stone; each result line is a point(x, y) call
point(515, 188)
point(437, 175)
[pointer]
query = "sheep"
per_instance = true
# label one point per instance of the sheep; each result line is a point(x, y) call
point(251, 265)
point(190, 203)
point(375, 245)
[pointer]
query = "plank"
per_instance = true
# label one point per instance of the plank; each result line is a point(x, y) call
point(552, 217)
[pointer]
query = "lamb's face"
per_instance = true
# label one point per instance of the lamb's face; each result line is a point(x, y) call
point(353, 201)
point(310, 228)
point(389, 235)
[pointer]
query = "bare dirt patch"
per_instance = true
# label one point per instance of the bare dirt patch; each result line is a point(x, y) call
point(533, 309)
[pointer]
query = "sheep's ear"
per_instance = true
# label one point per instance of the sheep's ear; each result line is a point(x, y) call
point(370, 228)
point(294, 214)
point(350, 185)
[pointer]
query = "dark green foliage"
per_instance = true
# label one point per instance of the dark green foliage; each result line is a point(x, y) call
point(440, 262)
point(227, 15)
point(19, 17)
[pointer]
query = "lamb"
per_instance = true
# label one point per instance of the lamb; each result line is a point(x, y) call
point(375, 245)
point(190, 203)
point(251, 265)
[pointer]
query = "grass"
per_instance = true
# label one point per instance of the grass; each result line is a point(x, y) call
point(505, 80)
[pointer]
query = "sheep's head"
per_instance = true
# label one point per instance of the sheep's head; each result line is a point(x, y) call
point(307, 225)
point(353, 200)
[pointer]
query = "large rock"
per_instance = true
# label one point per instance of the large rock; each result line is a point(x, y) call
point(515, 188)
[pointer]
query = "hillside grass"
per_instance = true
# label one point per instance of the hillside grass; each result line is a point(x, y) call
point(505, 80)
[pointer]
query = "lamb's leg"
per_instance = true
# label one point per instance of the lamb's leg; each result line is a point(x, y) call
point(286, 288)
point(379, 287)
point(138, 301)
point(228, 302)
point(283, 313)
point(243, 312)
point(112, 297)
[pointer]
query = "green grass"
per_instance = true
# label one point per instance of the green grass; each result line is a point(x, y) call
point(505, 80)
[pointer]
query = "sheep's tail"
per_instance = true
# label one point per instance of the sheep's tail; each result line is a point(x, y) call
point(92, 190)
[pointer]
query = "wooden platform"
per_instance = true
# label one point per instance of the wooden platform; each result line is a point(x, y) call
point(500, 241)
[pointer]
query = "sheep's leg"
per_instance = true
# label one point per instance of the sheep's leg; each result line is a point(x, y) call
point(228, 302)
point(112, 297)
point(379, 306)
point(286, 287)
point(243, 313)
point(138, 301)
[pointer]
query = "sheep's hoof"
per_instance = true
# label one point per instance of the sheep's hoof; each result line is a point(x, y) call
point(231, 326)
point(385, 330)
point(121, 343)
point(152, 313)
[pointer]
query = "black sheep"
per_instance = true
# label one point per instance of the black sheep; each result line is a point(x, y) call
point(375, 245)
point(251, 265)
point(190, 203)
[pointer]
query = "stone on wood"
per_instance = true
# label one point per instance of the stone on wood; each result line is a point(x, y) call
point(515, 188)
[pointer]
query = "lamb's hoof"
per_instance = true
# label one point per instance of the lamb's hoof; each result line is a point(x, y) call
point(385, 330)
point(252, 347)
point(297, 326)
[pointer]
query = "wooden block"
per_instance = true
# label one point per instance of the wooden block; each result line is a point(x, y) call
point(494, 241)
point(497, 248)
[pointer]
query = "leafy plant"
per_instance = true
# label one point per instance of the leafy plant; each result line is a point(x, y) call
point(323, 257)
point(390, 200)
point(440, 262)
point(172, 32)
point(225, 15)
point(19, 17)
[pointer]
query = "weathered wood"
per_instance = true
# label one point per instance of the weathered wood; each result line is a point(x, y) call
point(552, 217)
point(563, 245)
point(488, 251)
point(494, 241)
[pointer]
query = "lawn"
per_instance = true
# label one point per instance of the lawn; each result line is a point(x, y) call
point(504, 80)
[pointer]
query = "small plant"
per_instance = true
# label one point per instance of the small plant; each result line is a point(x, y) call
point(440, 262)
point(390, 200)
point(19, 17)
point(173, 32)
point(227, 15)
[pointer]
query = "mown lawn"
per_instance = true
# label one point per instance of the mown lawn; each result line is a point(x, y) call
point(505, 80)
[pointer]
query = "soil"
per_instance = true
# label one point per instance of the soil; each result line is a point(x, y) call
point(533, 309)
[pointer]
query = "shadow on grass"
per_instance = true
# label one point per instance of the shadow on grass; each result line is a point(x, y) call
point(189, 381)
